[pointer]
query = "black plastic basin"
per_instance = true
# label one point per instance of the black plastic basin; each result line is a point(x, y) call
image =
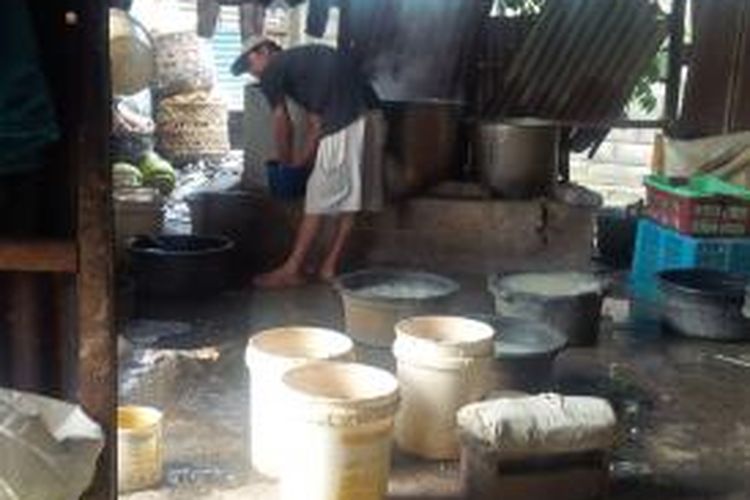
point(181, 265)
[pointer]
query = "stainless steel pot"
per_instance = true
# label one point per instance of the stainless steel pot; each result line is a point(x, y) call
point(569, 302)
point(517, 159)
point(704, 303)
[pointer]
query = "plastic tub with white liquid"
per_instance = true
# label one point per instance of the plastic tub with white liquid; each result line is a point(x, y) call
point(269, 355)
point(444, 363)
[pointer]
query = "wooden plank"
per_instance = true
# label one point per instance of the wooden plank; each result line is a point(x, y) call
point(707, 102)
point(97, 351)
point(24, 314)
point(54, 256)
point(740, 119)
point(64, 345)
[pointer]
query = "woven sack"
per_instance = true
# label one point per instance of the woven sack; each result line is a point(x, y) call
point(184, 63)
point(191, 127)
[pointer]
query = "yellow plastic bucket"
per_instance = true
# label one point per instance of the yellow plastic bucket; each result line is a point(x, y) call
point(139, 448)
point(340, 425)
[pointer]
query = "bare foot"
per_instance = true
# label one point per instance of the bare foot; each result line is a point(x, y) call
point(327, 275)
point(279, 278)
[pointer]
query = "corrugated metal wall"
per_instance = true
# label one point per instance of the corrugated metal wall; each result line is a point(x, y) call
point(581, 60)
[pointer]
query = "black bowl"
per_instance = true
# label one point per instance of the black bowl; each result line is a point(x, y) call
point(181, 265)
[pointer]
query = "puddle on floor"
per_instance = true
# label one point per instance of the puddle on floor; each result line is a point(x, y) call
point(180, 475)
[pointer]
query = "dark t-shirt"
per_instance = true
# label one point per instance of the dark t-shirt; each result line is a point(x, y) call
point(323, 81)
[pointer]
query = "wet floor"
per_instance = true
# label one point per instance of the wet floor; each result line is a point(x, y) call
point(683, 406)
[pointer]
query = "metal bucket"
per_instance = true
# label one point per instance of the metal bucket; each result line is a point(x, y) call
point(525, 353)
point(704, 303)
point(569, 302)
point(518, 159)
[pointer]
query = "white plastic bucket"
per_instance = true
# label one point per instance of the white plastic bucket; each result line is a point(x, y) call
point(269, 355)
point(444, 363)
point(340, 426)
point(139, 448)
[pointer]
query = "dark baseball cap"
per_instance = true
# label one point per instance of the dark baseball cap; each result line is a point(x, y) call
point(239, 65)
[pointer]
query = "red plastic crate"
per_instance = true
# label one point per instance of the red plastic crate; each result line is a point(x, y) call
point(699, 216)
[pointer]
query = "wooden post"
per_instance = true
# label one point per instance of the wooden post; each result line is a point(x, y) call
point(97, 347)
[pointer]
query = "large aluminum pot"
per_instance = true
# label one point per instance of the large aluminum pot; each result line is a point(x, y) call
point(424, 144)
point(517, 159)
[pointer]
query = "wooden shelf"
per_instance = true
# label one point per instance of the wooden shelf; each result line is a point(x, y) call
point(51, 256)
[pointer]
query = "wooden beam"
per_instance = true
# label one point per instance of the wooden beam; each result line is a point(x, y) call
point(97, 346)
point(54, 256)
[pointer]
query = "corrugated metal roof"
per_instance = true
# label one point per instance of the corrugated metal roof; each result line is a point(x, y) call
point(581, 60)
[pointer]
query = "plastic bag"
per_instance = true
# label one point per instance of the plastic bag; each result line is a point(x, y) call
point(48, 447)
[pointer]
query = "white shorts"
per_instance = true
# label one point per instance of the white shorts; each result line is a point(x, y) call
point(348, 172)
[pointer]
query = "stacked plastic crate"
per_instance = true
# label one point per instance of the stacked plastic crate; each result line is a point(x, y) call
point(702, 222)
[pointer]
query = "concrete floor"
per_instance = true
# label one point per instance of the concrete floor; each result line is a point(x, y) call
point(684, 406)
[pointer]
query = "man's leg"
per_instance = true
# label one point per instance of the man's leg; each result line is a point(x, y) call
point(290, 272)
point(330, 266)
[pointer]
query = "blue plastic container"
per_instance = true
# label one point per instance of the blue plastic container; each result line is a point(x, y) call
point(287, 182)
point(659, 249)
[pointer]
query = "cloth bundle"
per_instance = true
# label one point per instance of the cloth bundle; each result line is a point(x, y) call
point(543, 425)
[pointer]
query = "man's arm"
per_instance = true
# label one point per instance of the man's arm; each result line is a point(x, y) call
point(283, 133)
point(313, 134)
